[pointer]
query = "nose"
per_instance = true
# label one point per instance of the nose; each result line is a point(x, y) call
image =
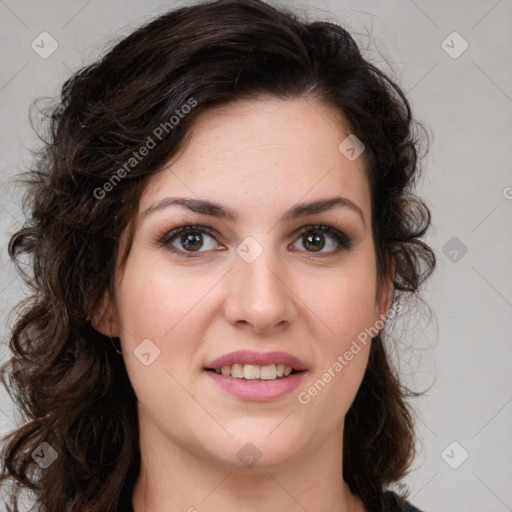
point(259, 295)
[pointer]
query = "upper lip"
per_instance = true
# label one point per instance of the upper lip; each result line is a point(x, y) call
point(256, 358)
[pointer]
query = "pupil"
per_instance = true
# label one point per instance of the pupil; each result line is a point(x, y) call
point(191, 241)
point(315, 241)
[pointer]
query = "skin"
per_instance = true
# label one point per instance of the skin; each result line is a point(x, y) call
point(259, 157)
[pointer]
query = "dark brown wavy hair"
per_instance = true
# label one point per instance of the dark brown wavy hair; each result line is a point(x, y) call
point(68, 380)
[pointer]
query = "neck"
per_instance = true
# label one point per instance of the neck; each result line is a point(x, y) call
point(176, 478)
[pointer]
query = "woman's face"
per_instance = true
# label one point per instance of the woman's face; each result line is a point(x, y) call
point(263, 280)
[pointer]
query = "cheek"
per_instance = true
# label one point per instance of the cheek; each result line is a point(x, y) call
point(159, 314)
point(171, 307)
point(342, 358)
point(344, 301)
point(345, 307)
point(156, 302)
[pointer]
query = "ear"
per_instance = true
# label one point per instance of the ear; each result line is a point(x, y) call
point(385, 289)
point(103, 318)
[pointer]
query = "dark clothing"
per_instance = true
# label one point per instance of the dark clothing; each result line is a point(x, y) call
point(392, 504)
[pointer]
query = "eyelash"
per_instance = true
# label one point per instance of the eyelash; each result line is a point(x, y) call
point(344, 243)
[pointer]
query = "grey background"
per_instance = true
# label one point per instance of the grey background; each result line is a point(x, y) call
point(462, 351)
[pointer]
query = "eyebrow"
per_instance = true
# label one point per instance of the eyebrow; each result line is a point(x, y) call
point(213, 209)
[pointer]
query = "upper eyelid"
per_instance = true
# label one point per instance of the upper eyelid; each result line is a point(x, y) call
point(206, 228)
point(212, 232)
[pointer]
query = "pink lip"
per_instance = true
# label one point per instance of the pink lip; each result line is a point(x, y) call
point(256, 358)
point(258, 390)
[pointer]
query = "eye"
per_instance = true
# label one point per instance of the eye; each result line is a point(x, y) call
point(313, 237)
point(187, 240)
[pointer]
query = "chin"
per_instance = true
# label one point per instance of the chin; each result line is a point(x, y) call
point(253, 448)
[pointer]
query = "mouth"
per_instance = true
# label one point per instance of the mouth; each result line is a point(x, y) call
point(257, 376)
point(255, 372)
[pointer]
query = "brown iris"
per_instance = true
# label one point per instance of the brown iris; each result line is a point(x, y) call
point(316, 241)
point(194, 241)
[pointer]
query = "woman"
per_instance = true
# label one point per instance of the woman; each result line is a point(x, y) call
point(221, 222)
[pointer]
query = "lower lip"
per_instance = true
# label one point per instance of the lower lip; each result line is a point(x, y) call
point(258, 390)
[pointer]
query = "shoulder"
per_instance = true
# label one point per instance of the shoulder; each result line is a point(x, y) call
point(410, 508)
point(394, 503)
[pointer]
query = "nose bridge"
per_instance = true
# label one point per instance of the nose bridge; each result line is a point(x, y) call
point(257, 293)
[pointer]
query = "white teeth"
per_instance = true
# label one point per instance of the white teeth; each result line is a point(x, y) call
point(268, 372)
point(237, 371)
point(251, 372)
point(254, 372)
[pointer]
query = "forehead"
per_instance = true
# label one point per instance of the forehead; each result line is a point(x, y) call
point(263, 154)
